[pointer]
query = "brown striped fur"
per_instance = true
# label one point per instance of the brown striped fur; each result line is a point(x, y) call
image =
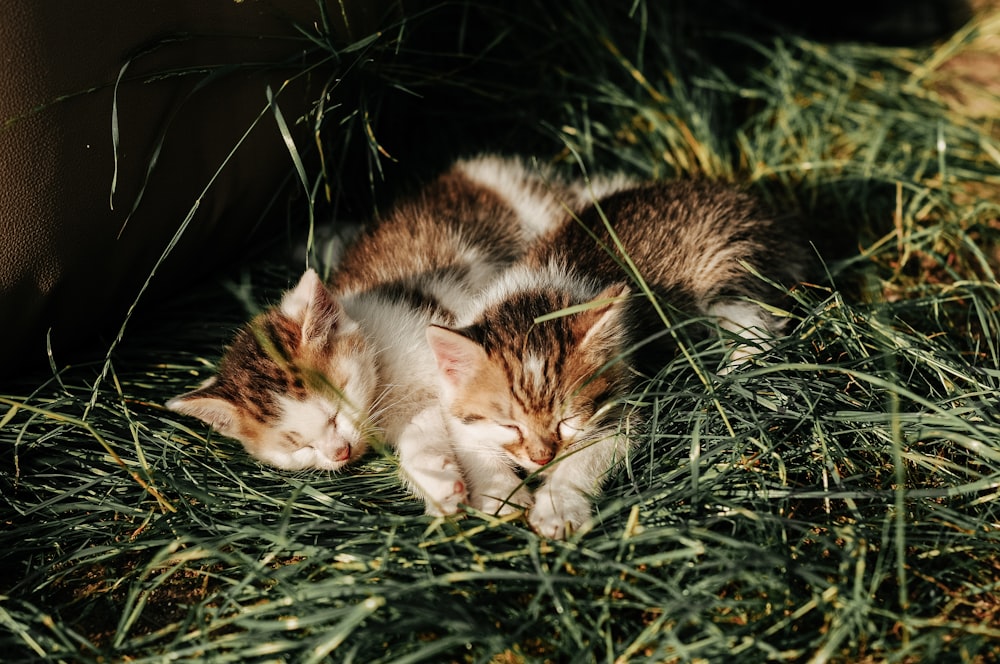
point(510, 381)
point(309, 382)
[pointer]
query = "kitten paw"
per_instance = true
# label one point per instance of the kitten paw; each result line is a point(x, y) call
point(556, 519)
point(446, 501)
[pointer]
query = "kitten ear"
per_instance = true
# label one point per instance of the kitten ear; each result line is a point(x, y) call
point(221, 414)
point(458, 357)
point(598, 322)
point(312, 305)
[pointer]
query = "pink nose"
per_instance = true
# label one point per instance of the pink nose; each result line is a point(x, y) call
point(343, 453)
point(541, 458)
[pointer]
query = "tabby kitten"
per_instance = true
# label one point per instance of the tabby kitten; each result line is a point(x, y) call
point(548, 396)
point(308, 383)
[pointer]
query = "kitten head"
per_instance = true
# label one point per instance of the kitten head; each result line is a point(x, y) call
point(295, 386)
point(533, 389)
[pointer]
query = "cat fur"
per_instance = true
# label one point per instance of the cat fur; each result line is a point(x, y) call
point(547, 397)
point(311, 382)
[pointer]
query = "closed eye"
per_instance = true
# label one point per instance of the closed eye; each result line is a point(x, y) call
point(570, 428)
point(513, 428)
point(492, 425)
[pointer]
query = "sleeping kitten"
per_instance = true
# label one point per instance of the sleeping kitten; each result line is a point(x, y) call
point(308, 383)
point(548, 396)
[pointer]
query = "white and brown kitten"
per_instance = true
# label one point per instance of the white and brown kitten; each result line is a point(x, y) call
point(308, 383)
point(547, 396)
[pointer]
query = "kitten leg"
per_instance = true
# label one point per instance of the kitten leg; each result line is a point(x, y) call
point(495, 487)
point(749, 322)
point(428, 463)
point(563, 503)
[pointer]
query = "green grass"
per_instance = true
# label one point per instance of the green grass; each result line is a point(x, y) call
point(837, 502)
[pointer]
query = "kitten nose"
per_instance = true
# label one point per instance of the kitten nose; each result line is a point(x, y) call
point(342, 453)
point(541, 457)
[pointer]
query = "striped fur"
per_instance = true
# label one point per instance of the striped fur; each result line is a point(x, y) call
point(311, 382)
point(547, 396)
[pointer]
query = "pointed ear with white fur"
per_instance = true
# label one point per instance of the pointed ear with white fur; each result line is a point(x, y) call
point(459, 358)
point(598, 322)
point(313, 306)
point(221, 414)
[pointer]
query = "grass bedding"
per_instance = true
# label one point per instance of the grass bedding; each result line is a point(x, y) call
point(835, 502)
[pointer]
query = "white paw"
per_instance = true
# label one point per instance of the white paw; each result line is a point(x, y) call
point(444, 491)
point(556, 516)
point(446, 501)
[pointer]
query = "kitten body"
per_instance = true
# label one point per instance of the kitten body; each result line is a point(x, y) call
point(308, 383)
point(548, 396)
